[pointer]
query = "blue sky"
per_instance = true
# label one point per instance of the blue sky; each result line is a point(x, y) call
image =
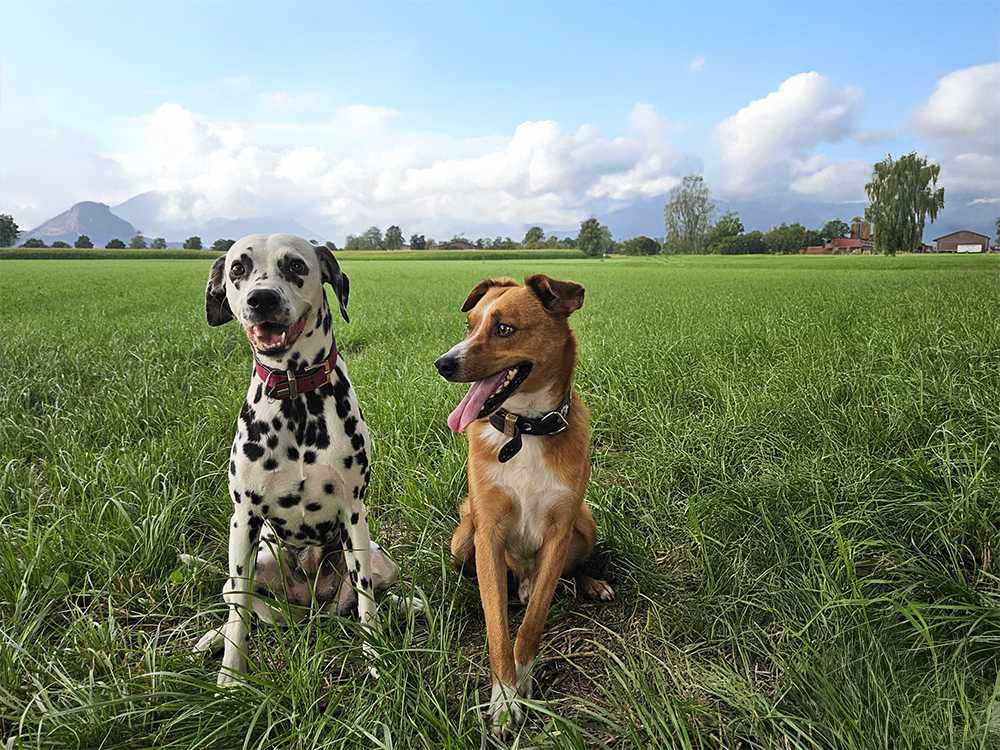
point(455, 81)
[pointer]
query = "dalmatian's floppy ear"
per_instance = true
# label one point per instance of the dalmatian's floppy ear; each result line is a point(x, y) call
point(333, 276)
point(217, 309)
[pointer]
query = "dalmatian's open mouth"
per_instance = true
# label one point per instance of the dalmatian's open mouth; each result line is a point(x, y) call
point(275, 338)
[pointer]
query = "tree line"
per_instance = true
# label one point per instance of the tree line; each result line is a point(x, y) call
point(903, 194)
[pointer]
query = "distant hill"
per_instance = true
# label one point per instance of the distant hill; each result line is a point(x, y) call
point(150, 211)
point(92, 219)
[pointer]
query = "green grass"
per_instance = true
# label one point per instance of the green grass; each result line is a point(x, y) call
point(55, 253)
point(796, 472)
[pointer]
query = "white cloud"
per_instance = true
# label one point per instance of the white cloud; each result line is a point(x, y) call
point(540, 173)
point(293, 101)
point(697, 64)
point(364, 116)
point(826, 180)
point(961, 119)
point(766, 144)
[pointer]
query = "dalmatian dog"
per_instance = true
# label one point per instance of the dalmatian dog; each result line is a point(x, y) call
point(299, 464)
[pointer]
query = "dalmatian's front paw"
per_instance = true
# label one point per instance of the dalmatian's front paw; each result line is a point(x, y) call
point(372, 655)
point(506, 713)
point(229, 679)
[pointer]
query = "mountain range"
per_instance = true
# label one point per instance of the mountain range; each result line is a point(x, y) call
point(143, 213)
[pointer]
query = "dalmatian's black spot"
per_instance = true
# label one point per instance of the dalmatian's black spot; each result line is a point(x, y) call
point(293, 269)
point(232, 468)
point(326, 390)
point(254, 498)
point(362, 458)
point(308, 530)
point(252, 451)
point(354, 518)
point(364, 583)
point(349, 462)
point(357, 492)
point(357, 565)
point(309, 457)
point(239, 570)
point(354, 578)
point(272, 442)
point(322, 437)
point(270, 464)
point(313, 507)
point(264, 509)
point(357, 441)
point(343, 408)
point(288, 501)
point(279, 521)
point(350, 425)
point(258, 393)
point(293, 453)
point(236, 497)
point(328, 488)
point(236, 524)
point(340, 387)
point(276, 424)
point(314, 402)
point(310, 436)
point(263, 427)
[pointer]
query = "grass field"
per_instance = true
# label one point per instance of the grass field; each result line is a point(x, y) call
point(55, 253)
point(796, 471)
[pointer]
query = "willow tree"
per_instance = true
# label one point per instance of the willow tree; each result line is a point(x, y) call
point(902, 194)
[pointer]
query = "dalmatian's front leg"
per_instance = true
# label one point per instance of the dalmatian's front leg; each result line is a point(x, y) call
point(358, 556)
point(244, 531)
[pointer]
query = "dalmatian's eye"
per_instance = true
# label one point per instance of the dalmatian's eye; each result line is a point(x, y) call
point(504, 331)
point(299, 267)
point(236, 270)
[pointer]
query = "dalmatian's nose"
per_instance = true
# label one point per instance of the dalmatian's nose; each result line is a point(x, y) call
point(263, 300)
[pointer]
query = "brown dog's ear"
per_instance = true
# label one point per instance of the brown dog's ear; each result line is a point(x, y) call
point(481, 288)
point(560, 297)
point(333, 276)
point(217, 309)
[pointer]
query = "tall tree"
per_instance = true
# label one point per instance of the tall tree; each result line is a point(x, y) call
point(8, 231)
point(688, 215)
point(222, 245)
point(192, 243)
point(418, 242)
point(138, 242)
point(595, 238)
point(372, 239)
point(393, 238)
point(902, 194)
point(998, 232)
point(533, 237)
point(834, 229)
point(158, 243)
point(83, 241)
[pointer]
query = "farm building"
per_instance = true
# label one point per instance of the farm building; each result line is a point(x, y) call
point(859, 242)
point(963, 241)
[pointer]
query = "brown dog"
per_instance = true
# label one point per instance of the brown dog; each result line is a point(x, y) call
point(529, 464)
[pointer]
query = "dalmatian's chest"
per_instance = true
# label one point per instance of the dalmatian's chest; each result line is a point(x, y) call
point(301, 464)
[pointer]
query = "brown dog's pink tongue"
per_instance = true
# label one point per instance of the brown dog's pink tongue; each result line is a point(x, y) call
point(470, 406)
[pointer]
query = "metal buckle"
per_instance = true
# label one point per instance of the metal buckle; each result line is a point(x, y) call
point(564, 422)
point(509, 424)
point(293, 386)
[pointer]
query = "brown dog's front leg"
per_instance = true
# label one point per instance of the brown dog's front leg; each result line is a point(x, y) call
point(549, 565)
point(492, 573)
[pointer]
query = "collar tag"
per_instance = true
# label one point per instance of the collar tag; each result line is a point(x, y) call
point(509, 424)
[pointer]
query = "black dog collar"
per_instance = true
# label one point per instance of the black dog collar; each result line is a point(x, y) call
point(512, 425)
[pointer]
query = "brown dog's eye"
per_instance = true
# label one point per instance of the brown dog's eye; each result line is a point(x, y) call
point(236, 269)
point(503, 330)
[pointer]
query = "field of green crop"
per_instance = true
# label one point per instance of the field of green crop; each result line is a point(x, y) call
point(796, 472)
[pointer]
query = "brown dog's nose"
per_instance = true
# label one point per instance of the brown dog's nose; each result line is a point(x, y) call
point(446, 366)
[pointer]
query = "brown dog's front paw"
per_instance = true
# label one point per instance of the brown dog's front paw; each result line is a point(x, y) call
point(594, 588)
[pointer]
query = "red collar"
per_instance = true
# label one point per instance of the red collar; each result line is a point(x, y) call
point(286, 385)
